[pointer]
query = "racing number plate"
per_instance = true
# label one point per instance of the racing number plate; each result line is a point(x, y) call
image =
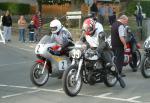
point(62, 64)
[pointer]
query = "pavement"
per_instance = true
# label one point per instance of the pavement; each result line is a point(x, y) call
point(27, 46)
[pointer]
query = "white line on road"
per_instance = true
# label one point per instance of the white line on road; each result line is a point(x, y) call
point(18, 94)
point(102, 96)
point(136, 97)
point(119, 99)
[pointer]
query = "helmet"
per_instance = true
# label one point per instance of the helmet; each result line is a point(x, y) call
point(55, 26)
point(88, 26)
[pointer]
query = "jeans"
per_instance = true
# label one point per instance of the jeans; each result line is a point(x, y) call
point(22, 35)
point(7, 33)
point(139, 19)
point(31, 36)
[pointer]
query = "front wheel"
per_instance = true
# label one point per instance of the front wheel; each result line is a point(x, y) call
point(145, 70)
point(136, 60)
point(37, 76)
point(70, 85)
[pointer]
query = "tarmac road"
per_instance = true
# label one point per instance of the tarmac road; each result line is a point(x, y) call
point(16, 60)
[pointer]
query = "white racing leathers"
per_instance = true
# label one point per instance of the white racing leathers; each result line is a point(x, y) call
point(97, 40)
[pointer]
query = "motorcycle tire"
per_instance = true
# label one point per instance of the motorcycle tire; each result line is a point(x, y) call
point(108, 76)
point(137, 57)
point(70, 86)
point(35, 74)
point(145, 71)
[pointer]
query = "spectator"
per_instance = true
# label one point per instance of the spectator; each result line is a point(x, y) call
point(118, 41)
point(138, 14)
point(93, 8)
point(22, 25)
point(101, 15)
point(31, 28)
point(7, 24)
point(111, 15)
point(37, 19)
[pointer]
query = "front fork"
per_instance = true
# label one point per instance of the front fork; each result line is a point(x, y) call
point(44, 66)
point(42, 62)
point(79, 69)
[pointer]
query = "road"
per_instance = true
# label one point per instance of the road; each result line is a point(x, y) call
point(16, 87)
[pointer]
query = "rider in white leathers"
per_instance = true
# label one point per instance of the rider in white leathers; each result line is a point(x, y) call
point(94, 36)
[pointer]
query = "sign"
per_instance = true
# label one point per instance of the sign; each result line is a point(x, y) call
point(74, 15)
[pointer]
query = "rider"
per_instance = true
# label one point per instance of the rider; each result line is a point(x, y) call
point(61, 36)
point(94, 36)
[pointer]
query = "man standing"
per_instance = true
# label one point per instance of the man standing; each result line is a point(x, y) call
point(101, 15)
point(138, 14)
point(118, 41)
point(37, 19)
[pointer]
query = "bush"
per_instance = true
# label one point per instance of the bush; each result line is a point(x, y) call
point(16, 8)
point(131, 7)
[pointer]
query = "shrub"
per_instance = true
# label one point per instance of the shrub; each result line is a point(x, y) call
point(16, 8)
point(131, 7)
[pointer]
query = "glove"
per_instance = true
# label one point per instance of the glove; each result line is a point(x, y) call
point(53, 52)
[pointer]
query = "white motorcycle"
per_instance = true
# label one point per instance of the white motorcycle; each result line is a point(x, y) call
point(47, 65)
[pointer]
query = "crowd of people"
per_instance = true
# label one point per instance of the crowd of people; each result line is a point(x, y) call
point(33, 27)
point(105, 12)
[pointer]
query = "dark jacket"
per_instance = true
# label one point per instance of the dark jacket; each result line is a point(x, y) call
point(31, 27)
point(115, 39)
point(7, 21)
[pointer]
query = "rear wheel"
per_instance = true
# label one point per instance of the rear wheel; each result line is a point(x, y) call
point(36, 76)
point(110, 78)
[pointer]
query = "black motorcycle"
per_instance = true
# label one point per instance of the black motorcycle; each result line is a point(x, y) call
point(145, 68)
point(89, 68)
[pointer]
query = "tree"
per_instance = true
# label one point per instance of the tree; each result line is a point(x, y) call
point(76, 4)
point(39, 2)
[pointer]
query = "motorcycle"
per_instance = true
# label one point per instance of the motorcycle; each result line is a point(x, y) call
point(132, 55)
point(87, 67)
point(145, 67)
point(47, 65)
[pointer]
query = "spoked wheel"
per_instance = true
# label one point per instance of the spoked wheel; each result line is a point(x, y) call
point(110, 79)
point(136, 60)
point(145, 70)
point(71, 86)
point(37, 75)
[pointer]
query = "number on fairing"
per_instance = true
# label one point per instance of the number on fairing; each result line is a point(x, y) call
point(63, 65)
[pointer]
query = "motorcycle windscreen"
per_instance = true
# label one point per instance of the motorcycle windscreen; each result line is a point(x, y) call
point(45, 39)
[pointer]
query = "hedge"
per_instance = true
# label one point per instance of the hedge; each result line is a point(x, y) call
point(16, 8)
point(131, 7)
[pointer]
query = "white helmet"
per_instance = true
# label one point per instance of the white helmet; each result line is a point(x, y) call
point(55, 26)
